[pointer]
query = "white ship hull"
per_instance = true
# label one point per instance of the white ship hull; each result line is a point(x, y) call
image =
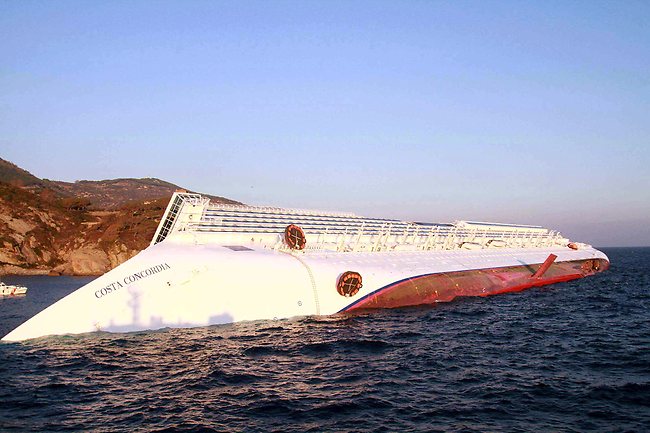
point(189, 280)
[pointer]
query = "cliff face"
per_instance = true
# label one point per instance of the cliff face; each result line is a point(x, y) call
point(80, 228)
point(51, 235)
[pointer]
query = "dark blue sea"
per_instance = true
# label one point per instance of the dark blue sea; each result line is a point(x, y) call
point(568, 357)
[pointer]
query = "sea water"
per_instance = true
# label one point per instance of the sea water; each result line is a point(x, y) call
point(568, 357)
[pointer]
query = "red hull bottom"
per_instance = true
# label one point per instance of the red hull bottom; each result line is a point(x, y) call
point(444, 287)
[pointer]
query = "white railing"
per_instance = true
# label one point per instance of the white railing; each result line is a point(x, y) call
point(389, 237)
point(173, 218)
point(434, 238)
point(343, 232)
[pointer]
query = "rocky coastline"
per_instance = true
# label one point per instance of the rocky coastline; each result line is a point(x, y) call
point(83, 228)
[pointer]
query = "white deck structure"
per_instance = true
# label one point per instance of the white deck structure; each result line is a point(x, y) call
point(192, 218)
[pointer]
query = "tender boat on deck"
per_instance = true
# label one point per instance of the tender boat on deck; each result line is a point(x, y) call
point(212, 264)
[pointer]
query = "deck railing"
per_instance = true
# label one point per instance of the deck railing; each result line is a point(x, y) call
point(349, 233)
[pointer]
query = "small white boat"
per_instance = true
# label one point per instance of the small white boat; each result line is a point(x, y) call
point(12, 290)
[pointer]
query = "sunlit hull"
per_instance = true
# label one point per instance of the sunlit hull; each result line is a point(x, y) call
point(189, 281)
point(196, 286)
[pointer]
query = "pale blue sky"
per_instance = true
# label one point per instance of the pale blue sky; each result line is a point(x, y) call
point(529, 112)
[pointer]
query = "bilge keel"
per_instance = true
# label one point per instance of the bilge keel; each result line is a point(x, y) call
point(211, 264)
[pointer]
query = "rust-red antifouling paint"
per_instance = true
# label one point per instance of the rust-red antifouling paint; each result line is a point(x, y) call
point(443, 287)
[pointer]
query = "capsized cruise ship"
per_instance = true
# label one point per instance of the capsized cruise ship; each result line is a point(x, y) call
point(212, 264)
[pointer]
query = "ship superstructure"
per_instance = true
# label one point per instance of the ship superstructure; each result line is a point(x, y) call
point(210, 264)
point(190, 217)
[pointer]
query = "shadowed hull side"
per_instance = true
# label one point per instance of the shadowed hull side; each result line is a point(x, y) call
point(446, 286)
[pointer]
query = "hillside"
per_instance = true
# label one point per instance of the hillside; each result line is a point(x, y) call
point(80, 228)
point(98, 194)
point(12, 174)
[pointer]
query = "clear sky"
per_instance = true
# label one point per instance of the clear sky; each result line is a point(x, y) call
point(528, 112)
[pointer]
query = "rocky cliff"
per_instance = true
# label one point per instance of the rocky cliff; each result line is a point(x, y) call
point(81, 228)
